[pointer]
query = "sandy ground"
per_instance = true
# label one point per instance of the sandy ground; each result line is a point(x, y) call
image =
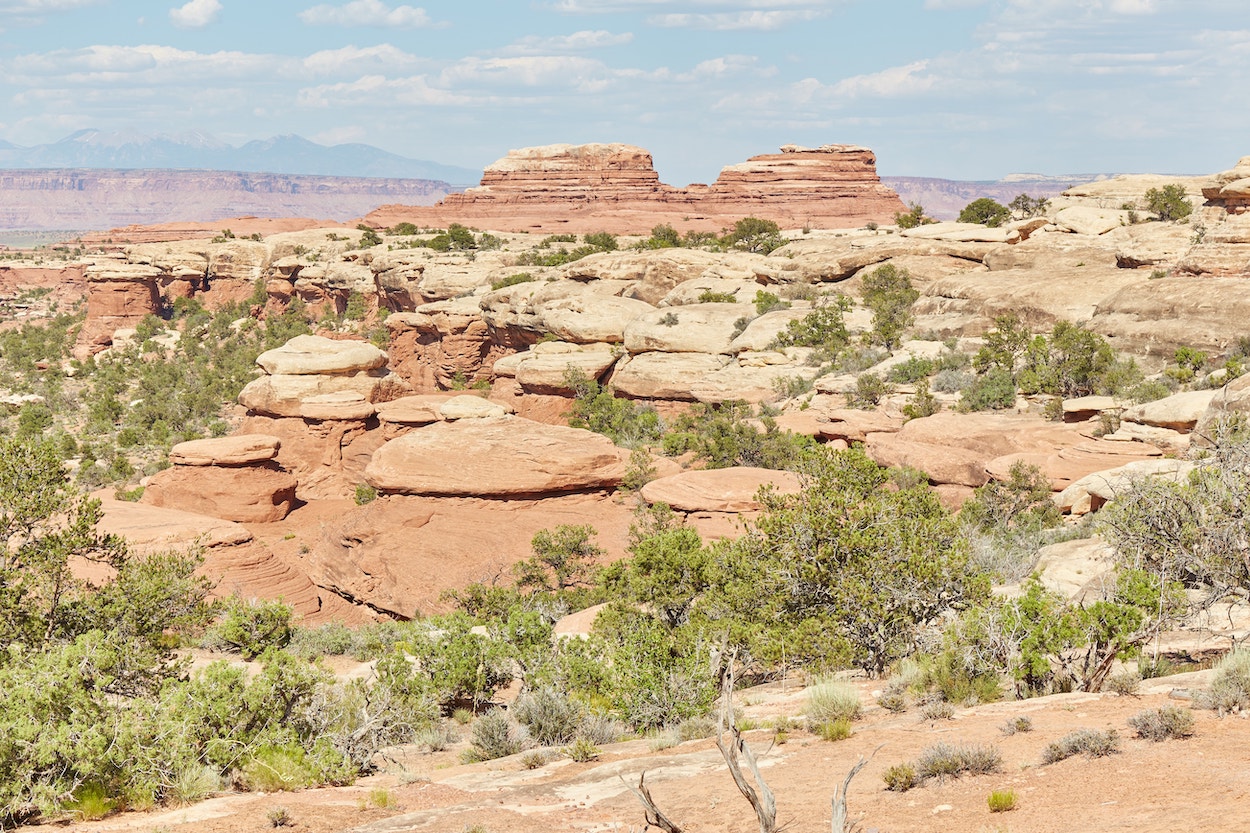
point(1202, 783)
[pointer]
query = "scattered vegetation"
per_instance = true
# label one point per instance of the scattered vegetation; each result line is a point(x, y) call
point(1088, 742)
point(1163, 723)
point(1002, 801)
point(986, 212)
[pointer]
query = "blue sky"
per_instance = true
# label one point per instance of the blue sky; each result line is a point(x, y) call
point(968, 89)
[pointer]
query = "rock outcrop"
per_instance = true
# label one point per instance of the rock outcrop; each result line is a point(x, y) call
point(232, 478)
point(120, 294)
point(540, 460)
point(311, 366)
point(615, 188)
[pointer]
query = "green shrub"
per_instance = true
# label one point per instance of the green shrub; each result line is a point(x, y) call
point(986, 212)
point(1001, 801)
point(869, 390)
point(913, 217)
point(493, 736)
point(953, 381)
point(768, 302)
point(901, 778)
point(944, 760)
point(1230, 685)
point(511, 280)
point(279, 817)
point(583, 751)
point(889, 294)
point(278, 769)
point(550, 717)
point(833, 730)
point(91, 802)
point(595, 408)
point(912, 370)
point(1163, 723)
point(752, 234)
point(1026, 207)
point(365, 494)
point(250, 626)
point(830, 700)
point(1088, 742)
point(994, 390)
point(823, 327)
point(710, 297)
point(922, 403)
point(1169, 202)
point(535, 759)
point(193, 783)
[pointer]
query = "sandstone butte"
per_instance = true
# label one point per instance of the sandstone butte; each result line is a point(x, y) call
point(615, 188)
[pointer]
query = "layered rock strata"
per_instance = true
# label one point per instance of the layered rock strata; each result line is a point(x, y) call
point(615, 188)
point(232, 478)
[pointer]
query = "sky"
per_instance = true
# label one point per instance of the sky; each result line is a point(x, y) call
point(959, 89)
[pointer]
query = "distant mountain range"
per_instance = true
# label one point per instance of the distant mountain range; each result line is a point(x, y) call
point(198, 151)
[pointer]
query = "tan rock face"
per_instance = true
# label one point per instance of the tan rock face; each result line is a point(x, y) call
point(309, 355)
point(718, 490)
point(246, 494)
point(496, 458)
point(238, 450)
point(664, 375)
point(614, 188)
point(698, 328)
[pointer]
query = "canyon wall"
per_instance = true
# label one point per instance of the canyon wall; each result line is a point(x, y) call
point(100, 199)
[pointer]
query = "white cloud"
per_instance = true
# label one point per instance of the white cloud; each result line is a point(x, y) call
point(909, 79)
point(367, 13)
point(340, 135)
point(196, 14)
point(358, 60)
point(945, 5)
point(759, 21)
point(576, 42)
point(618, 6)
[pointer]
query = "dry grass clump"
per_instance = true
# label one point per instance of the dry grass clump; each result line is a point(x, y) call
point(1125, 683)
point(1230, 687)
point(900, 778)
point(1089, 742)
point(937, 710)
point(1022, 723)
point(944, 760)
point(830, 700)
point(1163, 723)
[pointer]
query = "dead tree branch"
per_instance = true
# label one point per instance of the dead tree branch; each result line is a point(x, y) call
point(839, 796)
point(760, 796)
point(654, 816)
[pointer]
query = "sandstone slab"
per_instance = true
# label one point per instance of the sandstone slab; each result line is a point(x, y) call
point(664, 375)
point(246, 494)
point(500, 457)
point(316, 355)
point(236, 450)
point(732, 489)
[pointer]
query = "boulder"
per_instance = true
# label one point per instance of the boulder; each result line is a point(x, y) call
point(308, 355)
point(961, 233)
point(413, 410)
point(237, 450)
point(1070, 567)
point(590, 317)
point(500, 457)
point(732, 489)
point(1091, 492)
point(544, 368)
point(1094, 221)
point(664, 375)
point(763, 330)
point(283, 396)
point(149, 528)
point(261, 493)
point(1231, 400)
point(1179, 412)
point(691, 291)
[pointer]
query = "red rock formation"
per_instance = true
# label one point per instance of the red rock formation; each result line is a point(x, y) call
point(615, 188)
point(119, 295)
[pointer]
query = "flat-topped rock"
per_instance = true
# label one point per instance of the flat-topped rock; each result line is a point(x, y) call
point(499, 457)
point(544, 368)
point(343, 405)
point(284, 396)
point(309, 355)
point(420, 409)
point(237, 450)
point(664, 375)
point(261, 493)
point(148, 528)
point(698, 328)
point(466, 406)
point(732, 489)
